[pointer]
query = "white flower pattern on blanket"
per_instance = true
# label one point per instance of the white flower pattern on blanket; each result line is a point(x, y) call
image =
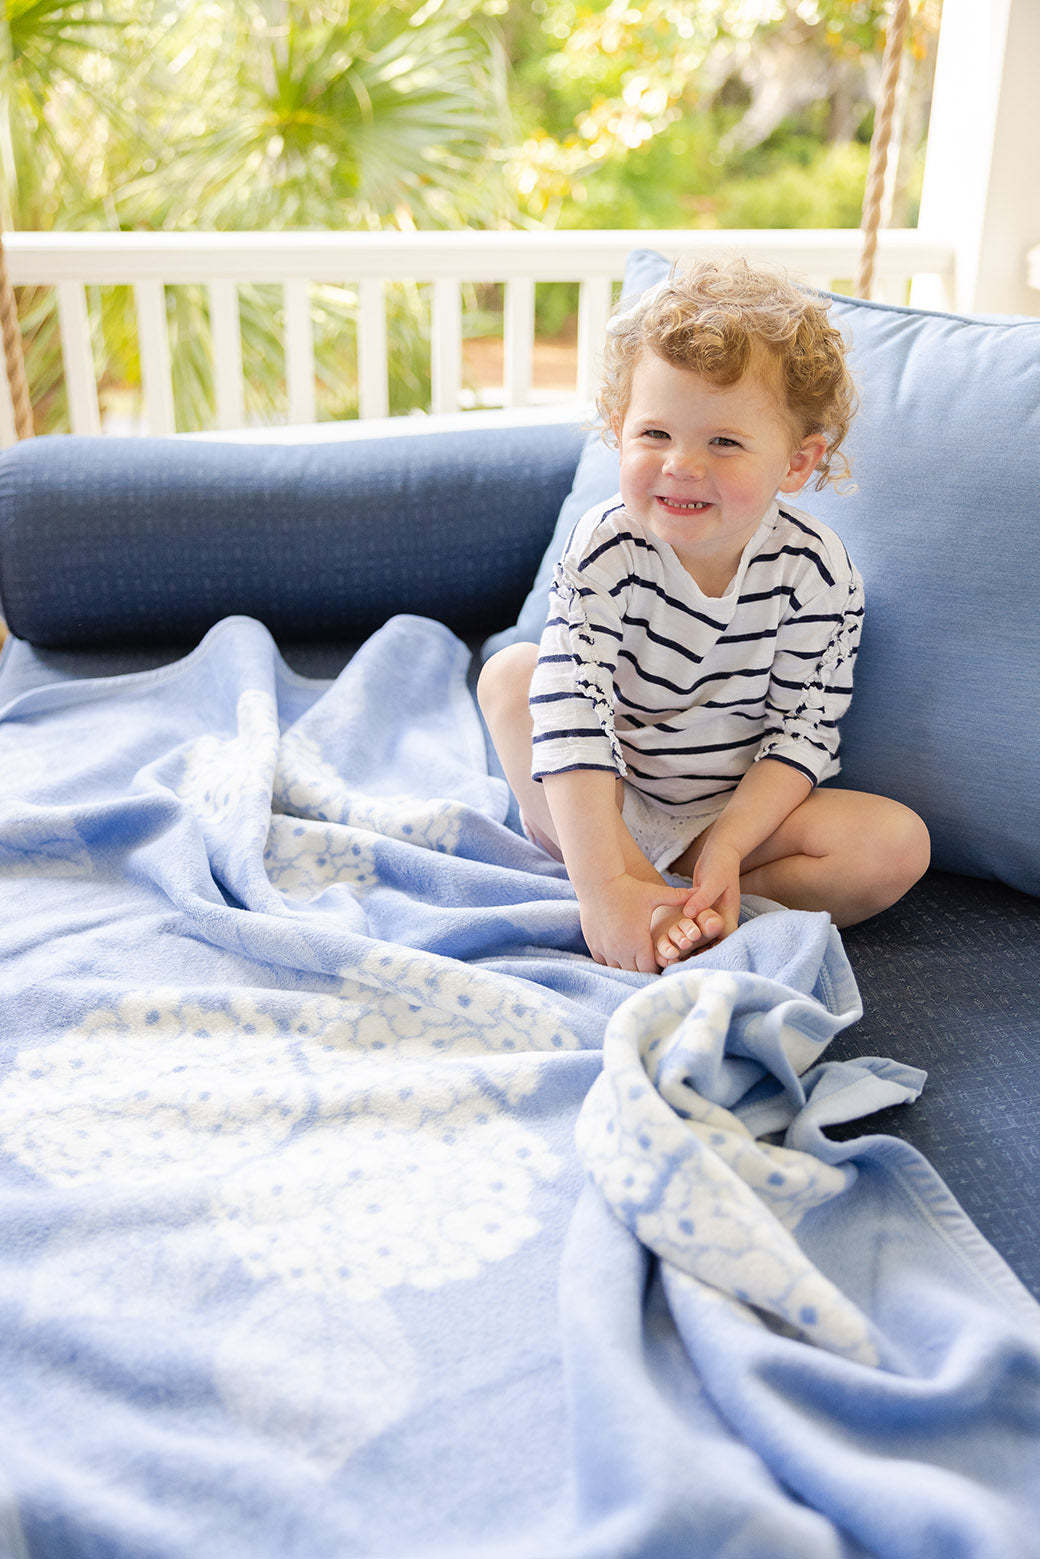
point(439, 1180)
point(221, 772)
point(336, 1148)
point(304, 857)
point(687, 1176)
point(321, 831)
point(307, 787)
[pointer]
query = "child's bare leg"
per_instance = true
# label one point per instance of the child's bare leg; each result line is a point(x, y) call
point(503, 694)
point(843, 851)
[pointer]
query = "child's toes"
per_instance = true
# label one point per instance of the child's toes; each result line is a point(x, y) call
point(688, 932)
point(678, 940)
point(710, 925)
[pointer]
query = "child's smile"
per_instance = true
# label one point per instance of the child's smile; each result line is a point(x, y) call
point(701, 464)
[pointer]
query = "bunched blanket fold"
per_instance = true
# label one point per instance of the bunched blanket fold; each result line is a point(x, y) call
point(348, 1208)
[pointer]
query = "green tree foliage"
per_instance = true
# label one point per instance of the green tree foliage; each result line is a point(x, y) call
point(306, 113)
point(246, 114)
point(63, 75)
point(53, 105)
point(722, 113)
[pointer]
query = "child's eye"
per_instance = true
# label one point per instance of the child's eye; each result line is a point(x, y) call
point(726, 443)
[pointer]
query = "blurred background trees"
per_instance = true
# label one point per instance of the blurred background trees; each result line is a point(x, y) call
point(277, 114)
point(717, 113)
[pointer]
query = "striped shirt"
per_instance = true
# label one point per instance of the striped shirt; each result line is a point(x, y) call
point(641, 673)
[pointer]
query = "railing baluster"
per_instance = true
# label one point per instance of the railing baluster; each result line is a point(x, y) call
point(373, 369)
point(154, 344)
point(8, 430)
point(518, 333)
point(226, 332)
point(593, 312)
point(446, 345)
point(78, 354)
point(299, 351)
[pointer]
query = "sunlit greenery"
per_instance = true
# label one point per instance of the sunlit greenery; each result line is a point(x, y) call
point(278, 114)
point(679, 113)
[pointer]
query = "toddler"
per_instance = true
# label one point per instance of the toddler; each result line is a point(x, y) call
point(684, 701)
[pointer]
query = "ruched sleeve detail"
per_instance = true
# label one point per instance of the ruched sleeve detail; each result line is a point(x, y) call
point(811, 686)
point(572, 692)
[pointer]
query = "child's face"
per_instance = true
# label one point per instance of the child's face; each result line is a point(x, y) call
point(700, 465)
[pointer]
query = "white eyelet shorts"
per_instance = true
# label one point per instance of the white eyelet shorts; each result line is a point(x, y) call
point(663, 833)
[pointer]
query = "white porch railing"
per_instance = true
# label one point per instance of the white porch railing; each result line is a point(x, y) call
point(147, 262)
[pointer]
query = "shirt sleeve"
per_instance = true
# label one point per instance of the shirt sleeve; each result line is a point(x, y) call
point(572, 690)
point(810, 684)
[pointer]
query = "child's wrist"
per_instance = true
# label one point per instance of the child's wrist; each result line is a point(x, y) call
point(592, 890)
point(718, 844)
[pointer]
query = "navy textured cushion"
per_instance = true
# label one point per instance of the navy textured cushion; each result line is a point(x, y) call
point(950, 980)
point(946, 458)
point(147, 541)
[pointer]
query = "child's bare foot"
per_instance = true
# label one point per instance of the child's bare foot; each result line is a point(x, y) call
point(677, 935)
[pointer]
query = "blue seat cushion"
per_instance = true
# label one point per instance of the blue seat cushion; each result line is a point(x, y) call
point(950, 981)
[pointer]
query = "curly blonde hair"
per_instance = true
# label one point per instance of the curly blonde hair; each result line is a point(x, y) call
point(722, 319)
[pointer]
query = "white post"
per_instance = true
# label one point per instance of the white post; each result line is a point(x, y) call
point(153, 341)
point(299, 352)
point(372, 351)
point(226, 334)
point(446, 345)
point(518, 333)
point(981, 186)
point(593, 313)
point(78, 355)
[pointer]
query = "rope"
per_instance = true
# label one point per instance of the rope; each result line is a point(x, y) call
point(23, 420)
point(23, 423)
point(870, 220)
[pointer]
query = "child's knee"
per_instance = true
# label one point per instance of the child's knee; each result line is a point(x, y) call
point(505, 679)
point(912, 843)
point(902, 852)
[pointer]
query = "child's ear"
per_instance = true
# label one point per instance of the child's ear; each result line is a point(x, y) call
point(803, 463)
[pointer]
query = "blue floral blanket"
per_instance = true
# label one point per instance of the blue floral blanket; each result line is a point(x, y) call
point(347, 1208)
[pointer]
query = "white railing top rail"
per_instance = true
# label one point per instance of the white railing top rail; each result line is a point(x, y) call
point(49, 258)
point(220, 261)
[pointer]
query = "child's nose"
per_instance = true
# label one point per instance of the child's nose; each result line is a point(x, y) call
point(685, 462)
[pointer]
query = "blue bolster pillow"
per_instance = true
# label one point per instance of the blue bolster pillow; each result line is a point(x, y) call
point(151, 541)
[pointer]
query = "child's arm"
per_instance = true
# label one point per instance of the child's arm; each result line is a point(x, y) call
point(810, 689)
point(606, 871)
point(764, 798)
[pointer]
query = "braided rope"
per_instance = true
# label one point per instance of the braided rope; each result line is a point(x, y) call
point(23, 423)
point(870, 220)
point(19, 386)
